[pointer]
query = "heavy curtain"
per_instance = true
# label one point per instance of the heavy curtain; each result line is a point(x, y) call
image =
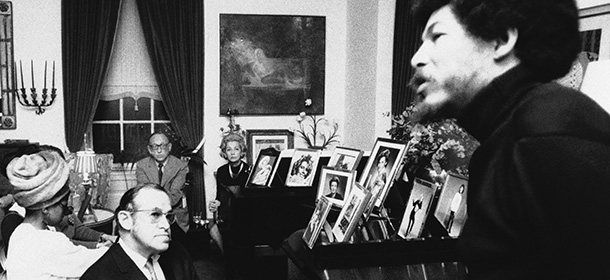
point(406, 41)
point(174, 35)
point(88, 29)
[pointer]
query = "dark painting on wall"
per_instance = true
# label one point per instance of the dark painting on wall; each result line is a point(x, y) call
point(272, 64)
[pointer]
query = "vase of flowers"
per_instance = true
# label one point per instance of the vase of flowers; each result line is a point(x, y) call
point(443, 141)
point(317, 132)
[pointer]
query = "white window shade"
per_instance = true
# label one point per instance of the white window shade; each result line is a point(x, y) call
point(130, 71)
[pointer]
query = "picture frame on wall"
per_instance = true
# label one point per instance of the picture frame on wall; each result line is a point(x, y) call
point(272, 64)
point(351, 212)
point(318, 218)
point(344, 158)
point(259, 139)
point(261, 174)
point(418, 206)
point(451, 207)
point(335, 185)
point(303, 168)
point(381, 168)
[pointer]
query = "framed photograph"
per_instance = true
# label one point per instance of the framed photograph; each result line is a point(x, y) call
point(335, 185)
point(303, 167)
point(261, 171)
point(272, 64)
point(350, 214)
point(451, 207)
point(344, 158)
point(382, 166)
point(418, 206)
point(316, 222)
point(257, 140)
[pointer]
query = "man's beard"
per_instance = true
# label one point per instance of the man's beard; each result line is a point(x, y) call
point(440, 101)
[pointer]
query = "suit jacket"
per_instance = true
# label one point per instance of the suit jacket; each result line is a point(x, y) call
point(116, 265)
point(174, 177)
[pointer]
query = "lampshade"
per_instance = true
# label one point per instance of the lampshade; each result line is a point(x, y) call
point(85, 162)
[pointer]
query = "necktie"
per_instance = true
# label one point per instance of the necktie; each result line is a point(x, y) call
point(151, 270)
point(160, 172)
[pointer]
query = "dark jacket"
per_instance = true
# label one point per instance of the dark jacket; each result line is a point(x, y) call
point(116, 265)
point(539, 186)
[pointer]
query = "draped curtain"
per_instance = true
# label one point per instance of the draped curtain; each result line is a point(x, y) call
point(88, 29)
point(406, 41)
point(174, 35)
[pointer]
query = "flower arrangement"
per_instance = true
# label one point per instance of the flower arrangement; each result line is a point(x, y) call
point(318, 132)
point(443, 141)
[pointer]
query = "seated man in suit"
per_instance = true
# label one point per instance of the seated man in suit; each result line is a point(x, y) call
point(170, 173)
point(144, 250)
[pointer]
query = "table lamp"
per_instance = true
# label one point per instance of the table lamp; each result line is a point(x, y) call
point(86, 164)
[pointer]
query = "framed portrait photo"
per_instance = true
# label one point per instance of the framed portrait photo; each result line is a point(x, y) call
point(418, 206)
point(344, 158)
point(261, 170)
point(381, 167)
point(335, 185)
point(303, 167)
point(257, 140)
point(451, 207)
point(318, 218)
point(350, 213)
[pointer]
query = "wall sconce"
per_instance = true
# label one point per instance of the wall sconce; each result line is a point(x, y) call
point(33, 101)
point(86, 164)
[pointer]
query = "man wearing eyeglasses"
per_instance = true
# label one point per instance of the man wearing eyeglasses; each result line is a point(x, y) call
point(144, 250)
point(169, 172)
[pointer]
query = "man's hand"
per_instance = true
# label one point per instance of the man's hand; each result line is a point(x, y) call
point(213, 205)
point(6, 201)
point(104, 238)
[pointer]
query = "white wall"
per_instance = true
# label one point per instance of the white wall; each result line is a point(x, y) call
point(358, 68)
point(590, 3)
point(351, 67)
point(37, 32)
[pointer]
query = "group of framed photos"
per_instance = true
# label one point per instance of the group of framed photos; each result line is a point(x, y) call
point(302, 169)
point(358, 198)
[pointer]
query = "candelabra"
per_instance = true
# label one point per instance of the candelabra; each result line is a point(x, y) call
point(32, 101)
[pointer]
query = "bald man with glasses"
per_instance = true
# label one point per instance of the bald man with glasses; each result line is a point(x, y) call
point(144, 250)
point(170, 173)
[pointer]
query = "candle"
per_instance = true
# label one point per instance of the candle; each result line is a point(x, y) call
point(32, 67)
point(21, 65)
point(15, 86)
point(53, 82)
point(45, 74)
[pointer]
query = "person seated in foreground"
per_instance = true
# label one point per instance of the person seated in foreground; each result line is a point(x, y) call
point(144, 249)
point(35, 251)
point(71, 225)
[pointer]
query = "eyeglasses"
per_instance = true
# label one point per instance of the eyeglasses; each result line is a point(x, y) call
point(156, 215)
point(155, 147)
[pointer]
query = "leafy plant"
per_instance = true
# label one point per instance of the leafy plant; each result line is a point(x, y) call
point(444, 141)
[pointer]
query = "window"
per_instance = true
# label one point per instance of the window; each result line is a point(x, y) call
point(123, 125)
point(130, 108)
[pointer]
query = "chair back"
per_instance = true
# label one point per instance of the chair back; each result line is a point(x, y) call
point(8, 225)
